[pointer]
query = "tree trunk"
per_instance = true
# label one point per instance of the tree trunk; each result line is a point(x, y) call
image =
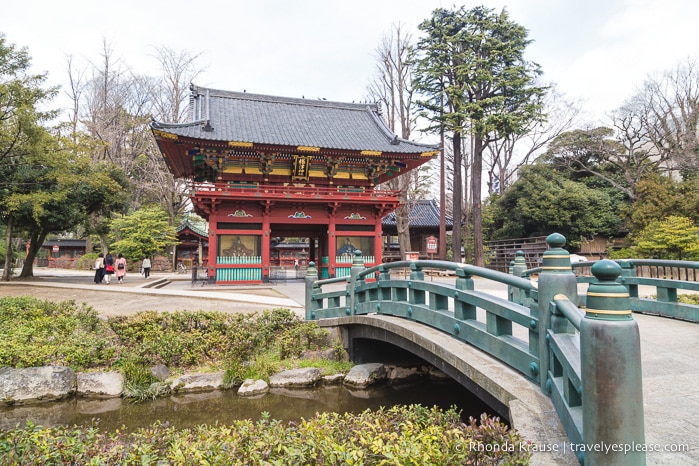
point(7, 272)
point(402, 218)
point(476, 181)
point(37, 239)
point(456, 214)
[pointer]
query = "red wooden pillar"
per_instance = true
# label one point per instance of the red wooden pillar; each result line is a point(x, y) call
point(378, 241)
point(332, 246)
point(265, 247)
point(213, 247)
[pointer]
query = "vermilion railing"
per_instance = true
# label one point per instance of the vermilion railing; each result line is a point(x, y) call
point(291, 191)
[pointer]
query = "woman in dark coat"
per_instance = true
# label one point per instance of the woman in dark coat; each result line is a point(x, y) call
point(108, 268)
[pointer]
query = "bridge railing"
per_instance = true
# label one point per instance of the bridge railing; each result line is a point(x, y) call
point(507, 330)
point(591, 357)
point(667, 279)
point(587, 361)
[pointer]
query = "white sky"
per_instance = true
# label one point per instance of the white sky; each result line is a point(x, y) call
point(599, 51)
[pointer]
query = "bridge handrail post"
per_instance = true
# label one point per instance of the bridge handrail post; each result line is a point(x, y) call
point(610, 355)
point(518, 267)
point(357, 266)
point(464, 281)
point(310, 279)
point(556, 277)
point(416, 272)
point(628, 269)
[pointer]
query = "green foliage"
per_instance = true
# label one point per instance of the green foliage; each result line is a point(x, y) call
point(47, 184)
point(327, 366)
point(38, 333)
point(660, 197)
point(674, 238)
point(399, 435)
point(470, 66)
point(87, 261)
point(689, 299)
point(623, 253)
point(542, 201)
point(143, 233)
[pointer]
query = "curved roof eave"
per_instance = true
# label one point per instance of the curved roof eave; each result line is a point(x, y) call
point(268, 120)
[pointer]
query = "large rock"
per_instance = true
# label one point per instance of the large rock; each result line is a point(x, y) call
point(100, 384)
point(399, 374)
point(363, 375)
point(198, 381)
point(160, 372)
point(33, 384)
point(252, 387)
point(333, 379)
point(305, 377)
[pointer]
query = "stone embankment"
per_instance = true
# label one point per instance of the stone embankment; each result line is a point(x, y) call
point(50, 383)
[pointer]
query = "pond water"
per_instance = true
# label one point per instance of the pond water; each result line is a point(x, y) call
point(223, 407)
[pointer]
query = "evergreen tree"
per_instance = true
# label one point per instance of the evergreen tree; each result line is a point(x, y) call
point(474, 78)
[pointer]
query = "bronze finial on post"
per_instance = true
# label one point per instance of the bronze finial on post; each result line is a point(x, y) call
point(357, 266)
point(310, 279)
point(610, 358)
point(556, 277)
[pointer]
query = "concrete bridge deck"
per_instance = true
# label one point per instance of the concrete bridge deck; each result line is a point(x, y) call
point(668, 347)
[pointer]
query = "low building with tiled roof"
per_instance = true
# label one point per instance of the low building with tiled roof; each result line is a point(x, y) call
point(423, 218)
point(193, 247)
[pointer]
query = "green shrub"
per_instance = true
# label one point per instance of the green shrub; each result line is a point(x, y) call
point(623, 253)
point(399, 435)
point(326, 366)
point(36, 333)
point(87, 261)
point(40, 333)
point(689, 298)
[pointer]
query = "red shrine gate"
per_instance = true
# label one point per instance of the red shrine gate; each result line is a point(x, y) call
point(262, 167)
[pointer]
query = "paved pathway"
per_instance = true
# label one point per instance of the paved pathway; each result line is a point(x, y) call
point(668, 347)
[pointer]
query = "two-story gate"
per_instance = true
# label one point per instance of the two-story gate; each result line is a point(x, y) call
point(261, 167)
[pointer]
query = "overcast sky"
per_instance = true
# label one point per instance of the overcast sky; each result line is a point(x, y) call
point(599, 51)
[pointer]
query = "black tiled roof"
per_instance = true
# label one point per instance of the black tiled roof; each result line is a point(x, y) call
point(423, 214)
point(66, 243)
point(262, 119)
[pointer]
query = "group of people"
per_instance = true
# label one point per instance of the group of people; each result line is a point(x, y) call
point(106, 266)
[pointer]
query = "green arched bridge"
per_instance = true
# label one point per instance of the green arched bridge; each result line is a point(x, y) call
point(555, 350)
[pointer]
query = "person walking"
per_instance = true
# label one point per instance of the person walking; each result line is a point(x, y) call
point(120, 268)
point(99, 268)
point(146, 267)
point(108, 268)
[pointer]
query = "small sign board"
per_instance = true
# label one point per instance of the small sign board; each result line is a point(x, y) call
point(55, 248)
point(412, 256)
point(431, 245)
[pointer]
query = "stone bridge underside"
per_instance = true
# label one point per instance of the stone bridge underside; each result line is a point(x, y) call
point(506, 391)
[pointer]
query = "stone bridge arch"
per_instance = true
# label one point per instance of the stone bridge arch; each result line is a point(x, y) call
point(511, 395)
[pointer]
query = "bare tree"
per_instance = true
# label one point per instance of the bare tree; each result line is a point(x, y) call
point(392, 88)
point(179, 70)
point(671, 115)
point(637, 142)
point(506, 155)
point(76, 83)
point(118, 108)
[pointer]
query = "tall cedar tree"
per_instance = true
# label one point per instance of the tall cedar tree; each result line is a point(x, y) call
point(474, 79)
